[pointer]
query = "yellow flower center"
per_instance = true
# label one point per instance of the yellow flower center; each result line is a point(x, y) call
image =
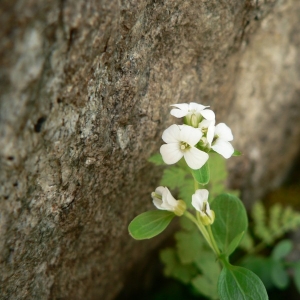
point(184, 146)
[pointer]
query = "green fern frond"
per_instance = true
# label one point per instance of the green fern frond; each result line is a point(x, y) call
point(281, 220)
point(274, 220)
point(173, 177)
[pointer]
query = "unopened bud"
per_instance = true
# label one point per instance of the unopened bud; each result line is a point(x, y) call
point(194, 121)
point(206, 219)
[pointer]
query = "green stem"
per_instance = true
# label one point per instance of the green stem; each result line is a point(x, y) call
point(208, 235)
point(213, 241)
point(200, 227)
point(224, 260)
point(196, 185)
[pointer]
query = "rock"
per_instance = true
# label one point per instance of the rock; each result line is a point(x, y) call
point(85, 94)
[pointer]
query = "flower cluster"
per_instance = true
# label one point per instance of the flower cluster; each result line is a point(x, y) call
point(196, 137)
point(193, 140)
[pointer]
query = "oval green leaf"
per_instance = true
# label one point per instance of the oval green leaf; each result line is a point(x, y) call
point(279, 275)
point(231, 220)
point(150, 224)
point(282, 249)
point(202, 175)
point(240, 283)
point(234, 243)
point(297, 276)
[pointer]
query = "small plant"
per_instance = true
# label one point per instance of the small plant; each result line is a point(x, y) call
point(191, 261)
point(201, 255)
point(213, 225)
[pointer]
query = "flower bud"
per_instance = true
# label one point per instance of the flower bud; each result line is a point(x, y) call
point(200, 203)
point(192, 119)
point(207, 219)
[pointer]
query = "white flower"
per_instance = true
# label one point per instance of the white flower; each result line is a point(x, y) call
point(208, 129)
point(185, 109)
point(163, 199)
point(223, 136)
point(181, 141)
point(200, 203)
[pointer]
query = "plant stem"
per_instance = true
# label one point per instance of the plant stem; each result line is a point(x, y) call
point(196, 185)
point(213, 241)
point(201, 228)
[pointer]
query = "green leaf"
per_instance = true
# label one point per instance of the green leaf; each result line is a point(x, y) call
point(297, 276)
point(210, 269)
point(234, 243)
point(218, 176)
point(205, 287)
point(231, 219)
point(259, 216)
point(156, 159)
point(188, 245)
point(279, 275)
point(187, 225)
point(261, 266)
point(282, 249)
point(240, 283)
point(174, 268)
point(186, 191)
point(208, 265)
point(150, 224)
point(236, 153)
point(173, 177)
point(202, 175)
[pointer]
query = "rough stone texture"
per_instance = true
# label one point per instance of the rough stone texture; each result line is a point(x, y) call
point(85, 94)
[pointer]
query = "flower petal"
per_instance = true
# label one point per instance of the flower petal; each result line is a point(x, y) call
point(171, 153)
point(224, 132)
point(210, 129)
point(206, 123)
point(170, 200)
point(223, 147)
point(210, 134)
point(196, 202)
point(178, 113)
point(195, 158)
point(208, 211)
point(172, 134)
point(190, 135)
point(181, 106)
point(196, 107)
point(160, 190)
point(203, 194)
point(157, 203)
point(208, 114)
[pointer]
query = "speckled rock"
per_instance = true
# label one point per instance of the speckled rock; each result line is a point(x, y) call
point(85, 92)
